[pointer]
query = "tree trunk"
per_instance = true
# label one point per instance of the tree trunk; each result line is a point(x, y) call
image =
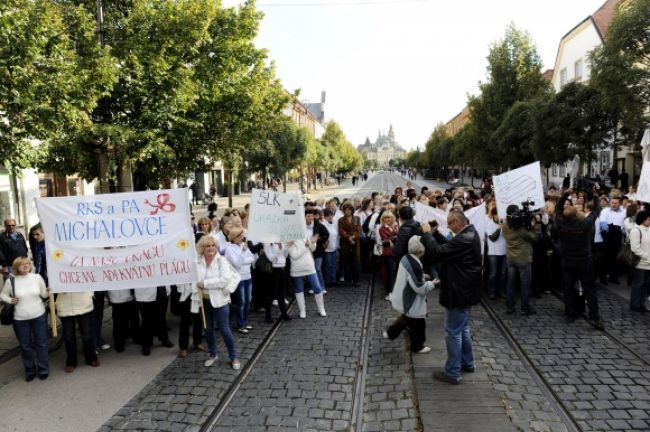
point(231, 187)
point(102, 162)
point(124, 177)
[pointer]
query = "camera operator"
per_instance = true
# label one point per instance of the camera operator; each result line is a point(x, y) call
point(520, 231)
point(576, 235)
point(611, 227)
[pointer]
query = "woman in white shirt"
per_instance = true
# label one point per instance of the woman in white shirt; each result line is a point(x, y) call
point(496, 253)
point(216, 280)
point(30, 319)
point(241, 258)
point(302, 266)
point(640, 245)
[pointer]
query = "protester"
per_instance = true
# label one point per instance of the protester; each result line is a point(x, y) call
point(25, 291)
point(76, 309)
point(315, 229)
point(388, 234)
point(460, 289)
point(409, 298)
point(640, 245)
point(217, 280)
point(241, 259)
point(331, 251)
point(126, 320)
point(302, 267)
point(350, 235)
point(277, 253)
point(496, 253)
point(12, 246)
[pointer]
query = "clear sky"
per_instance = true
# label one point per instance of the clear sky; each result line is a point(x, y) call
point(409, 63)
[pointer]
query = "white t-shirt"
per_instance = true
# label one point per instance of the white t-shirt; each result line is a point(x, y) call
point(613, 217)
point(333, 229)
point(494, 247)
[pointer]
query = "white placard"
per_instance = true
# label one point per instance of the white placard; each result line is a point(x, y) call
point(519, 185)
point(275, 217)
point(425, 213)
point(476, 216)
point(643, 190)
point(118, 241)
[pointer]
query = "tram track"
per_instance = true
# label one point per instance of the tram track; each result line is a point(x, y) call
point(558, 405)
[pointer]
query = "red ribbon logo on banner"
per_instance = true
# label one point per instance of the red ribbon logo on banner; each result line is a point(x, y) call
point(163, 204)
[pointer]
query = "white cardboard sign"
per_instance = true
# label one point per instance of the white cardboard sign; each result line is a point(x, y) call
point(519, 185)
point(275, 217)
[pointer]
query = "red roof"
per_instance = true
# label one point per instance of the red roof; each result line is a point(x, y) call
point(603, 16)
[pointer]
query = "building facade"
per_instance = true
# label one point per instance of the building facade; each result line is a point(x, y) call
point(383, 150)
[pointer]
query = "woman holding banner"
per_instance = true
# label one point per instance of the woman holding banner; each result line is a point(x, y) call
point(217, 280)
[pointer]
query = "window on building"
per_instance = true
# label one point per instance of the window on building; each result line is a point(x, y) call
point(563, 77)
point(578, 69)
point(562, 170)
point(554, 170)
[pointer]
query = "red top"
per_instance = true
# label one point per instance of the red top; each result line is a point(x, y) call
point(388, 234)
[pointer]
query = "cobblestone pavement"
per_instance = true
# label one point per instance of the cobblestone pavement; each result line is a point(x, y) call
point(603, 386)
point(390, 402)
point(185, 392)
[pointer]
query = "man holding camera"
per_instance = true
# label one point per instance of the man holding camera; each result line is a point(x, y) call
point(520, 232)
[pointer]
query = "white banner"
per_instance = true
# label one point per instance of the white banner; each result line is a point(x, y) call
point(427, 214)
point(643, 190)
point(275, 217)
point(519, 185)
point(118, 241)
point(476, 216)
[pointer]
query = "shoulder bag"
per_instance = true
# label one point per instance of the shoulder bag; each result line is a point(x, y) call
point(626, 256)
point(263, 264)
point(7, 311)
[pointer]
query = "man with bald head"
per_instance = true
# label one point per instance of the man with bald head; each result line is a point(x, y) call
point(460, 288)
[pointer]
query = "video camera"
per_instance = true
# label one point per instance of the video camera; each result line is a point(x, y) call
point(523, 217)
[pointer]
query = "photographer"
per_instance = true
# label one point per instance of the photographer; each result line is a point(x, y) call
point(520, 231)
point(576, 235)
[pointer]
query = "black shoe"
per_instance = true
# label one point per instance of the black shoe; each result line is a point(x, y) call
point(146, 351)
point(510, 311)
point(604, 282)
point(441, 376)
point(598, 324)
point(43, 377)
point(528, 312)
point(167, 343)
point(286, 318)
point(468, 369)
point(30, 378)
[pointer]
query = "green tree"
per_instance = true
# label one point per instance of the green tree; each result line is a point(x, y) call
point(514, 74)
point(620, 71)
point(52, 73)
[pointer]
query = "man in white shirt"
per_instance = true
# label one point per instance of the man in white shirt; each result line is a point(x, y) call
point(611, 226)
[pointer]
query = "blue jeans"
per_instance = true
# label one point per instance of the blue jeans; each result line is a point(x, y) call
point(640, 282)
point(244, 295)
point(521, 273)
point(221, 316)
point(318, 262)
point(459, 341)
point(330, 267)
point(496, 274)
point(299, 284)
point(25, 330)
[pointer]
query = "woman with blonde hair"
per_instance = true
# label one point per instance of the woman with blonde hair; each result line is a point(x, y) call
point(388, 233)
point(26, 291)
point(216, 280)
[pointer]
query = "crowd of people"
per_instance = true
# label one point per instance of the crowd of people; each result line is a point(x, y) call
point(566, 245)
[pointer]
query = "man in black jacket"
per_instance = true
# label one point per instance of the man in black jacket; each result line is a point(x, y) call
point(408, 227)
point(12, 246)
point(576, 237)
point(460, 289)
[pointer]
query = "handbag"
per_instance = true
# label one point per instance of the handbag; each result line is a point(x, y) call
point(378, 249)
point(7, 311)
point(626, 256)
point(263, 264)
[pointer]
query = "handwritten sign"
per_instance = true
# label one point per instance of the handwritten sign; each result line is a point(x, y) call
point(275, 217)
point(519, 185)
point(118, 241)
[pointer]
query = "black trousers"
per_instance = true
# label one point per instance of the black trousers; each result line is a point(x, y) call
point(125, 322)
point(160, 325)
point(279, 292)
point(613, 242)
point(416, 328)
point(189, 319)
point(148, 312)
point(583, 272)
point(85, 323)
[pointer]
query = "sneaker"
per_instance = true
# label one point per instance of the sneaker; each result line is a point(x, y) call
point(424, 350)
point(324, 291)
point(311, 291)
point(468, 369)
point(384, 334)
point(243, 330)
point(236, 364)
point(274, 302)
point(105, 347)
point(387, 298)
point(210, 361)
point(441, 376)
point(286, 301)
point(249, 327)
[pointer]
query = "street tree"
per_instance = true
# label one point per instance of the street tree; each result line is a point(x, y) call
point(620, 71)
point(52, 73)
